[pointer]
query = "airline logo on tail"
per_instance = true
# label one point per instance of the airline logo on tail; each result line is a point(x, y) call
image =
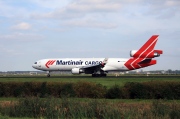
point(143, 57)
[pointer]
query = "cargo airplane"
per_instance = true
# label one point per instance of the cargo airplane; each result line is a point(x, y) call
point(99, 67)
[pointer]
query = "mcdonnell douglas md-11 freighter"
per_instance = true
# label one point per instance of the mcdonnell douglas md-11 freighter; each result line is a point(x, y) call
point(99, 67)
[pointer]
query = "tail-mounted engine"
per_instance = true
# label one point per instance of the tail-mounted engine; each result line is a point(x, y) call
point(146, 54)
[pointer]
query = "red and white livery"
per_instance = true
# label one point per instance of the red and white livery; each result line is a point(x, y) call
point(101, 66)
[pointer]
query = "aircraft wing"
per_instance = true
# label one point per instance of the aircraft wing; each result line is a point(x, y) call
point(92, 68)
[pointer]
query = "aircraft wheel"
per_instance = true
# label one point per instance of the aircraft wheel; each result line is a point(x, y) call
point(104, 75)
point(99, 75)
point(93, 75)
point(48, 75)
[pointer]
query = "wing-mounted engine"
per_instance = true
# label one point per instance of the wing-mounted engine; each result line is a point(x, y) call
point(77, 71)
point(91, 69)
point(145, 54)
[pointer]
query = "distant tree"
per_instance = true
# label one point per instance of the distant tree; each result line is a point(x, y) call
point(169, 71)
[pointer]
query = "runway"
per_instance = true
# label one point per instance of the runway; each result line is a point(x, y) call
point(89, 76)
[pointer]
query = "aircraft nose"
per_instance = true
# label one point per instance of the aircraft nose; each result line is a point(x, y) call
point(34, 65)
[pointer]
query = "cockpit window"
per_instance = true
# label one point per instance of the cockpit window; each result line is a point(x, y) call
point(35, 63)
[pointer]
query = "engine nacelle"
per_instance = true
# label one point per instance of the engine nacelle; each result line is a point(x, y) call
point(146, 54)
point(77, 71)
point(156, 54)
point(132, 52)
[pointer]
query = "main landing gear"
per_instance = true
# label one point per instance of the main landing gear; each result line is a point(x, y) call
point(99, 75)
point(48, 74)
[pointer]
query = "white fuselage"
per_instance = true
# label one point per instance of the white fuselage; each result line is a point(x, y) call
point(67, 64)
point(100, 66)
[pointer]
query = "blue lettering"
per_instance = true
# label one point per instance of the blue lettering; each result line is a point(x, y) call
point(89, 62)
point(70, 62)
point(93, 63)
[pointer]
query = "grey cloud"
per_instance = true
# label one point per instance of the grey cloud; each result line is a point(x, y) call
point(21, 36)
point(91, 24)
point(21, 26)
point(163, 8)
point(9, 51)
point(80, 8)
point(77, 12)
point(49, 4)
point(7, 10)
point(94, 6)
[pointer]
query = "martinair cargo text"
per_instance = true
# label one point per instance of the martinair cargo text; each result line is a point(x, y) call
point(101, 66)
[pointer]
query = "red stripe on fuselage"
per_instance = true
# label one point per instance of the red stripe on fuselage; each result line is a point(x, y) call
point(50, 62)
point(47, 64)
point(53, 62)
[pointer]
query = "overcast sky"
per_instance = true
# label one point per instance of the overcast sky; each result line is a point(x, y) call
point(36, 29)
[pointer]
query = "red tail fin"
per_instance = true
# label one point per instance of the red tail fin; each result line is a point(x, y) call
point(143, 57)
point(147, 49)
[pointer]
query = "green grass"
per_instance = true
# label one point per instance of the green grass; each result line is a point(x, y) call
point(95, 108)
point(108, 100)
point(6, 117)
point(106, 81)
point(8, 99)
